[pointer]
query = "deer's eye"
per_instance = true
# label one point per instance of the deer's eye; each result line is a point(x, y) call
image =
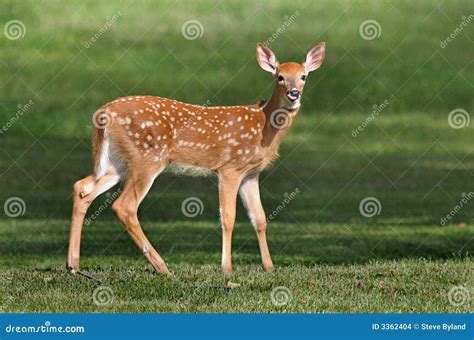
point(303, 77)
point(281, 79)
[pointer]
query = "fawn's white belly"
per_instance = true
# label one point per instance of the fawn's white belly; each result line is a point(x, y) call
point(187, 169)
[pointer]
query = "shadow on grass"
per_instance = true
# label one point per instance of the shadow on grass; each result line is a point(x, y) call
point(200, 244)
point(322, 224)
point(411, 190)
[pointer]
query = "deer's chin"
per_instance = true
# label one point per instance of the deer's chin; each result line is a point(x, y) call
point(292, 104)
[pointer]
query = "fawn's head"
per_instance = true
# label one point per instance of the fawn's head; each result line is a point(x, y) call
point(290, 77)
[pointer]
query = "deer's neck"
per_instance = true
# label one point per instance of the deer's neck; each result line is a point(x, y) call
point(278, 120)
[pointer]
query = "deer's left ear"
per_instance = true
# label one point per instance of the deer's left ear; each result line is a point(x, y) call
point(315, 57)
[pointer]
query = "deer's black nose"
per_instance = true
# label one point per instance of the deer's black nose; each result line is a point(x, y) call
point(293, 94)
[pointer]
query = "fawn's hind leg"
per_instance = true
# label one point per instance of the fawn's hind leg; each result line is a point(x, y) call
point(126, 207)
point(85, 191)
point(250, 194)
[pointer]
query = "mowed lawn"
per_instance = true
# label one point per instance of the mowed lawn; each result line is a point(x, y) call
point(329, 257)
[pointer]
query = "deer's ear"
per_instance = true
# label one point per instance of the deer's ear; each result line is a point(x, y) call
point(315, 57)
point(266, 59)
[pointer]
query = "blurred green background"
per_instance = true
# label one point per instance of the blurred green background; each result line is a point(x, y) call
point(144, 52)
point(409, 157)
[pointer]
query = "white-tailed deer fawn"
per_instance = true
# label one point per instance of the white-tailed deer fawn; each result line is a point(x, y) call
point(138, 137)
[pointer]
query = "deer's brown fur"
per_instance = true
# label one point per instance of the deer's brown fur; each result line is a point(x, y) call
point(137, 137)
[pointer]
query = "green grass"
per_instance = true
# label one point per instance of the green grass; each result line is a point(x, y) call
point(329, 256)
point(395, 286)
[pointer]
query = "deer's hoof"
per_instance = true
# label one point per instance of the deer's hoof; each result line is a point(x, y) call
point(268, 269)
point(227, 270)
point(73, 269)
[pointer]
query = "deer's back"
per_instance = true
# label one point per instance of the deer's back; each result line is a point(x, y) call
point(156, 130)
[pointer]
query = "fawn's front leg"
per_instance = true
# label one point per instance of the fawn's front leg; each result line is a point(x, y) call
point(229, 183)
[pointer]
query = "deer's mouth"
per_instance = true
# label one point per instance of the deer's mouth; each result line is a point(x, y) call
point(292, 98)
point(293, 95)
point(292, 104)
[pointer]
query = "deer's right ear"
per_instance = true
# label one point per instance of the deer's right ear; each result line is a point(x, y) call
point(266, 59)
